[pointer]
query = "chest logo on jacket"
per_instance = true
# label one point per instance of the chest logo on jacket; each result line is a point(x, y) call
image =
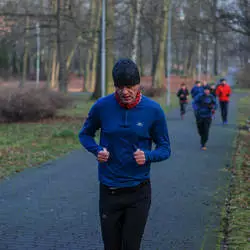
point(139, 124)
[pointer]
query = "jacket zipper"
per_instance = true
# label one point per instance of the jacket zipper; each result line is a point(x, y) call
point(126, 118)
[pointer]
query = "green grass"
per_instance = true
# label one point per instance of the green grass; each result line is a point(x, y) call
point(241, 90)
point(162, 101)
point(80, 107)
point(26, 145)
point(238, 223)
point(29, 144)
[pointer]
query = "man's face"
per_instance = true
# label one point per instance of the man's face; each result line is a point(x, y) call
point(207, 91)
point(198, 84)
point(223, 82)
point(128, 94)
point(212, 87)
point(183, 86)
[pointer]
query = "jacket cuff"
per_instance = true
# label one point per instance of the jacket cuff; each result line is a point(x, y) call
point(148, 155)
point(98, 150)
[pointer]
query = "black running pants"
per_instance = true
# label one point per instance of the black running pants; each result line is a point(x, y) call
point(123, 216)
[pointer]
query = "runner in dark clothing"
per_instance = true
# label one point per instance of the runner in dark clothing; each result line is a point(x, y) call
point(129, 124)
point(205, 104)
point(183, 94)
point(213, 89)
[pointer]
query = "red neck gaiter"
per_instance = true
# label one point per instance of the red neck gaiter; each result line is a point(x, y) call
point(129, 105)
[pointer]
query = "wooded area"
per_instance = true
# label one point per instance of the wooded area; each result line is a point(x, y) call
point(61, 38)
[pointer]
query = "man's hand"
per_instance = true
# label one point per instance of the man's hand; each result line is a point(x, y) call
point(139, 156)
point(103, 155)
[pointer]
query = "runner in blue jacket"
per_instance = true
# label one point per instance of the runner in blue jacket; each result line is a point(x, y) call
point(130, 123)
point(205, 105)
point(196, 90)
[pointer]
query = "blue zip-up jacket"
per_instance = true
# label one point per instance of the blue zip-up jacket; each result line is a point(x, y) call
point(196, 90)
point(123, 131)
point(204, 104)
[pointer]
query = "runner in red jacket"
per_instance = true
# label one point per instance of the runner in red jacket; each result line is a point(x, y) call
point(223, 92)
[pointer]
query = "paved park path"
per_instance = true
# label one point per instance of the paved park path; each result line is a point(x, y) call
point(55, 207)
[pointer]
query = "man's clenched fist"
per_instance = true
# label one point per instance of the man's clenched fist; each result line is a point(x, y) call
point(103, 155)
point(139, 156)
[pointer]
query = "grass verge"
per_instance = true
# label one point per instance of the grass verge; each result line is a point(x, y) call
point(29, 144)
point(236, 217)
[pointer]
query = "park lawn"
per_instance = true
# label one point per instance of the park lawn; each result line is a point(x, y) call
point(29, 144)
point(240, 90)
point(239, 213)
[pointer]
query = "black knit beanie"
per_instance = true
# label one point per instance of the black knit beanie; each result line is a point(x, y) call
point(125, 73)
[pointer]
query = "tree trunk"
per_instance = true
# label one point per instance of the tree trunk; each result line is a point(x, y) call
point(14, 61)
point(206, 58)
point(62, 74)
point(141, 52)
point(95, 48)
point(89, 59)
point(160, 74)
point(109, 47)
point(25, 54)
point(155, 54)
point(48, 69)
point(189, 59)
point(97, 92)
point(216, 56)
point(215, 34)
point(136, 30)
point(132, 25)
point(177, 57)
point(54, 78)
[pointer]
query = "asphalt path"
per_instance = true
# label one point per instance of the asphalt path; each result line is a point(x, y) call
point(55, 206)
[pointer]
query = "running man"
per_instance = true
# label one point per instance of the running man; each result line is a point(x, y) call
point(205, 105)
point(223, 92)
point(196, 90)
point(183, 94)
point(213, 89)
point(129, 124)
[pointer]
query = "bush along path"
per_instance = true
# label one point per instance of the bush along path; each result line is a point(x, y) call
point(37, 125)
point(235, 224)
point(56, 206)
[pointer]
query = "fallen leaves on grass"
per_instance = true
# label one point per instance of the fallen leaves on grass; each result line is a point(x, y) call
point(27, 145)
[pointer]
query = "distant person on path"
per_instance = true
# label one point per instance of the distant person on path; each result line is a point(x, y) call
point(204, 84)
point(129, 124)
point(213, 89)
point(183, 94)
point(223, 91)
point(205, 104)
point(196, 90)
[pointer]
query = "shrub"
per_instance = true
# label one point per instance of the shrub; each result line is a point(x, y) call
point(30, 104)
